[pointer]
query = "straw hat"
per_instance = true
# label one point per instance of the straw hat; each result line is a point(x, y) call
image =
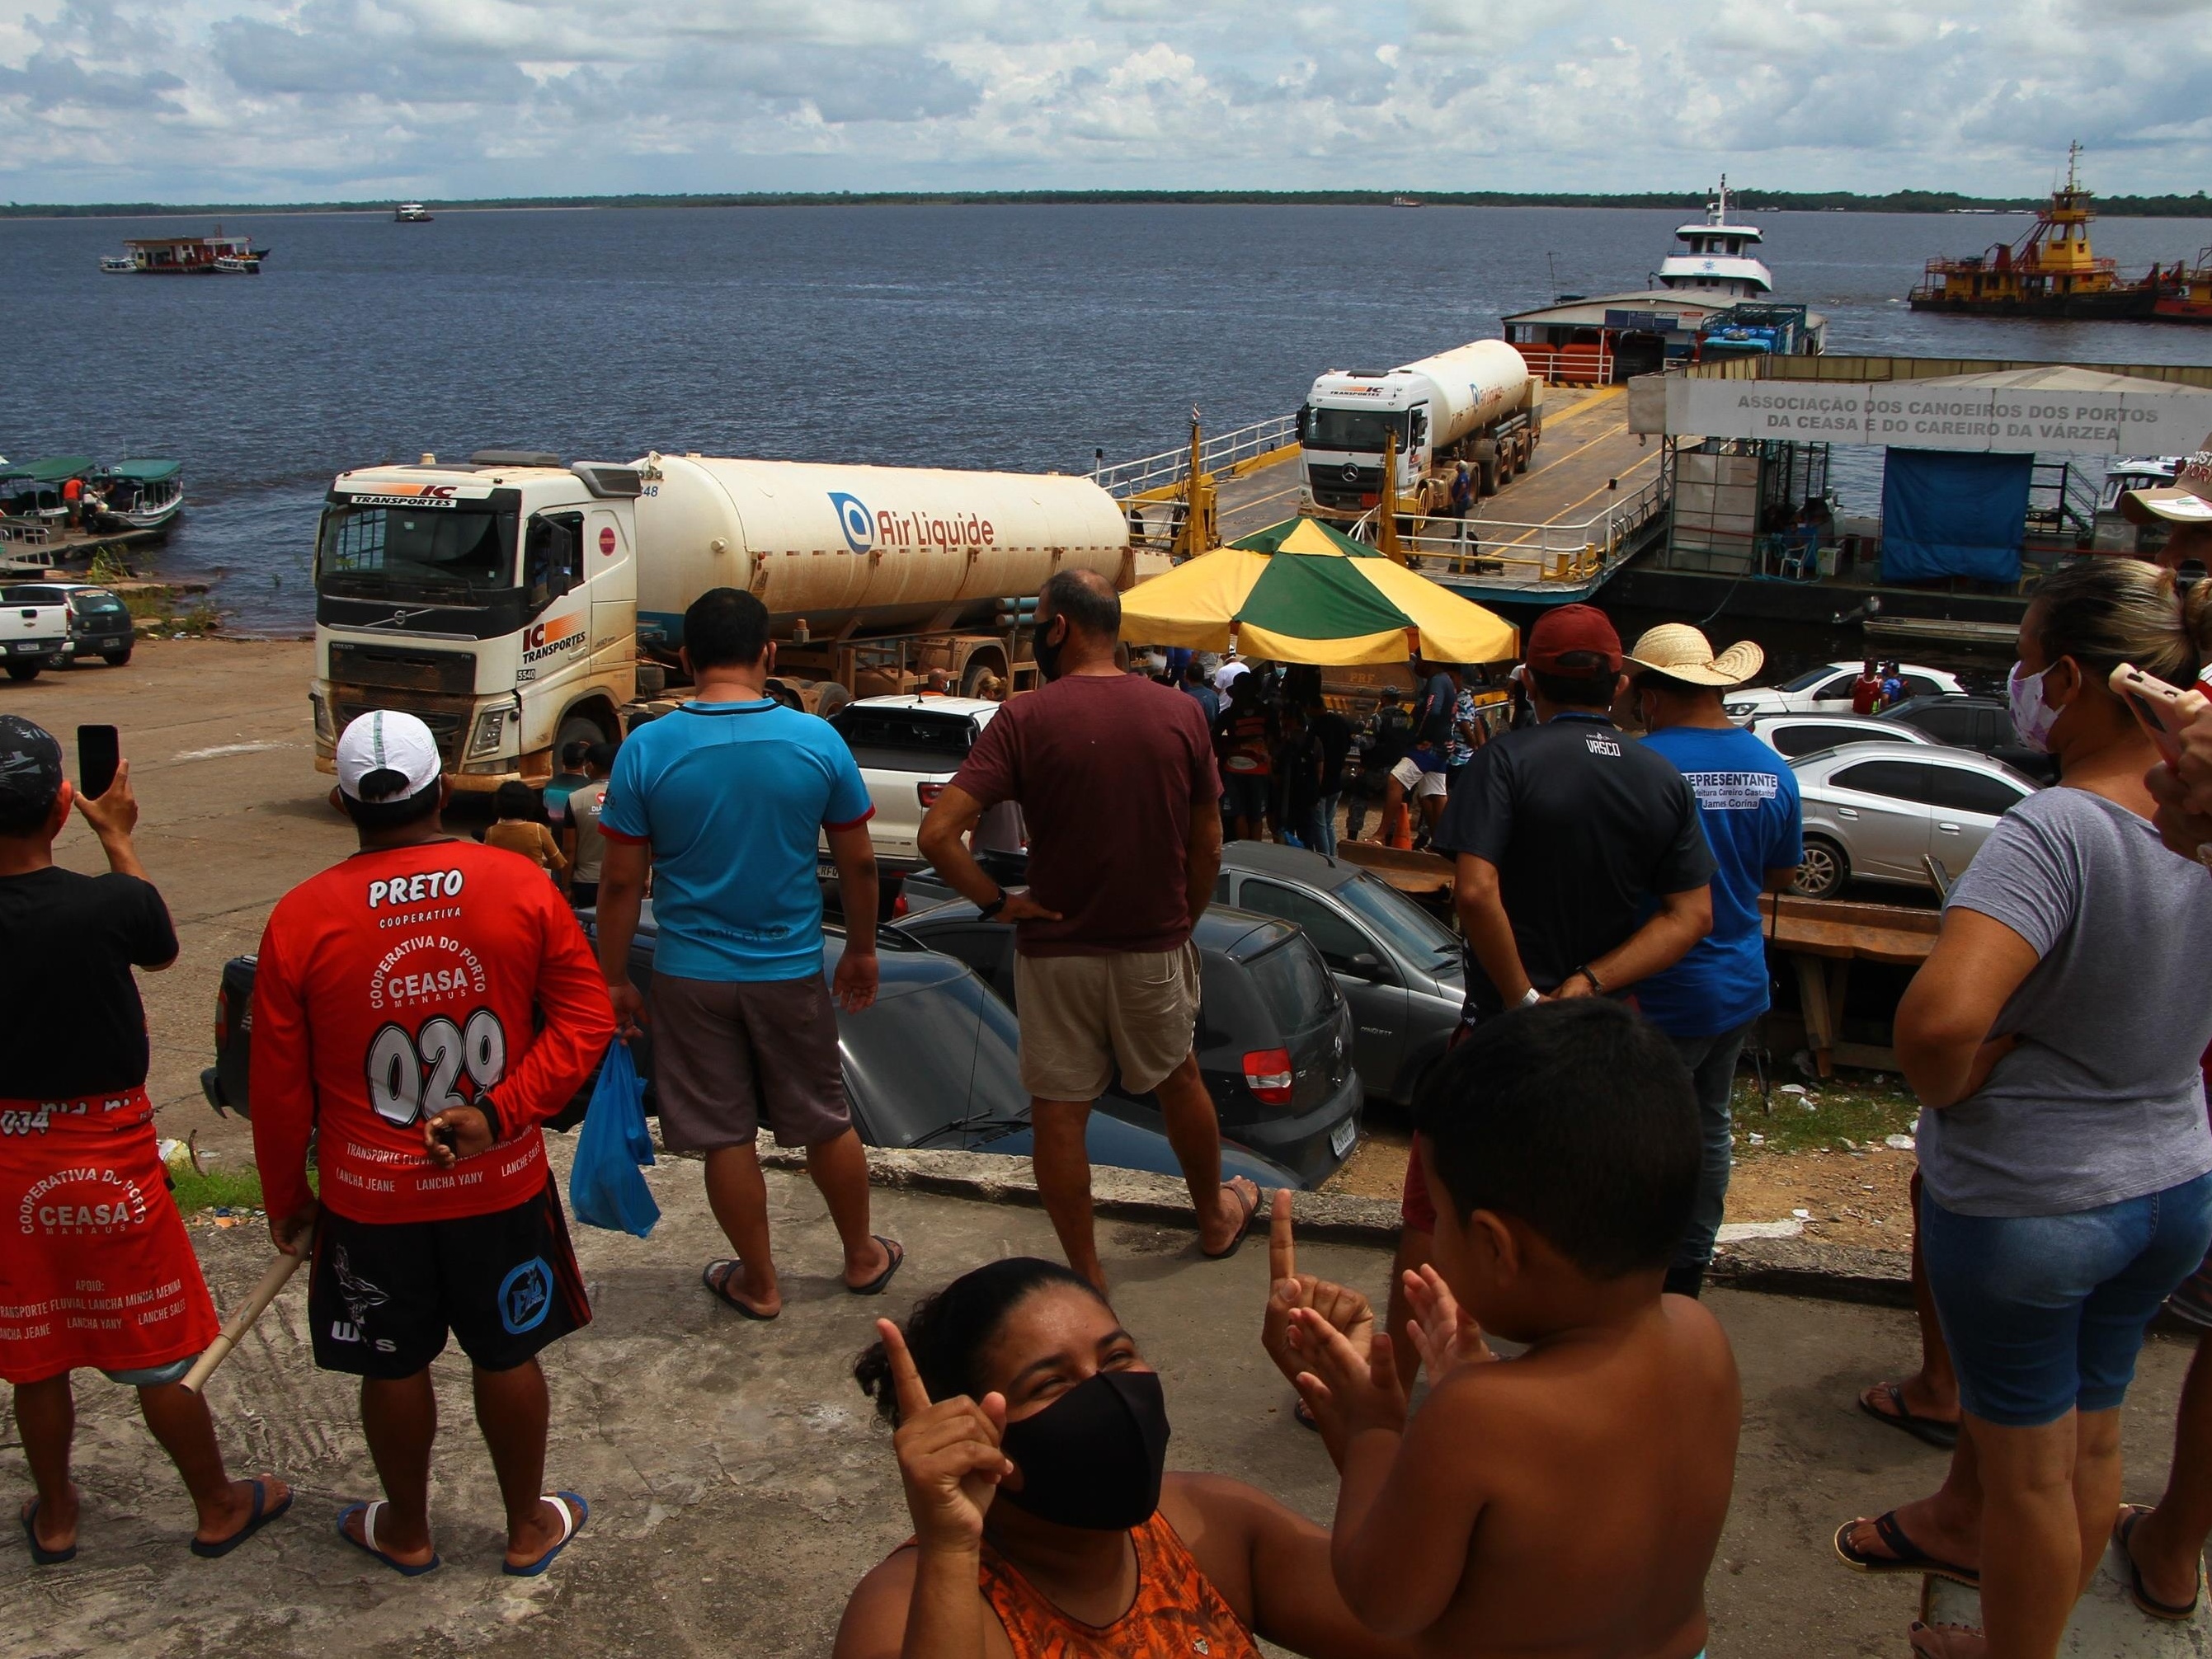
point(1681, 652)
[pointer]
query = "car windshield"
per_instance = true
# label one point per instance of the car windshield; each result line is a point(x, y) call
point(455, 554)
point(1355, 429)
point(1409, 929)
point(1809, 679)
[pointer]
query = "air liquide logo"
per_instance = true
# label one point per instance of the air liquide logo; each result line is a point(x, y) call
point(546, 639)
point(854, 519)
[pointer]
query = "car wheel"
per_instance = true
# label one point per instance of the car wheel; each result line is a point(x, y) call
point(24, 671)
point(1825, 869)
point(116, 658)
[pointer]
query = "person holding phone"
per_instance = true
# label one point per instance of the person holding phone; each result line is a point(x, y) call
point(2065, 1160)
point(79, 1164)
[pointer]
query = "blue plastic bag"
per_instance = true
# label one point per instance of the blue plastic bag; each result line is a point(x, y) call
point(605, 1187)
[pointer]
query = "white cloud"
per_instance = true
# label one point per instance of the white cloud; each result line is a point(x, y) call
point(285, 99)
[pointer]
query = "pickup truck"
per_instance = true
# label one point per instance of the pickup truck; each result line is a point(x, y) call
point(35, 629)
point(907, 747)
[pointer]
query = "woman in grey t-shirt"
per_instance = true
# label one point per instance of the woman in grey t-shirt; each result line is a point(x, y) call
point(2066, 1165)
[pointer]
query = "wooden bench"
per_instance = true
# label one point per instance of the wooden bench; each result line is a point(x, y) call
point(1822, 937)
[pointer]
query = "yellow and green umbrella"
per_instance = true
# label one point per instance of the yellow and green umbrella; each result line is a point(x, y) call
point(1300, 591)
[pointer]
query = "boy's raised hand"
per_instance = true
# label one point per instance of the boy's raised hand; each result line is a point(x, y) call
point(948, 1452)
point(1289, 1289)
point(1444, 1334)
point(1348, 1388)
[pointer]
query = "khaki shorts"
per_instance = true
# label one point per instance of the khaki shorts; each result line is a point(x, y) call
point(728, 1054)
point(1082, 1015)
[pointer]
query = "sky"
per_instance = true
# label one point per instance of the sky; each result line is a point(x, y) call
point(196, 101)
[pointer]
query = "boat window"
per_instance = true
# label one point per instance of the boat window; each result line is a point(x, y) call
point(1357, 428)
point(414, 553)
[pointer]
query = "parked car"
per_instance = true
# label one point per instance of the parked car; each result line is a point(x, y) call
point(1880, 810)
point(908, 748)
point(1274, 1041)
point(1402, 971)
point(1792, 735)
point(1984, 724)
point(1827, 690)
point(35, 629)
point(99, 625)
point(932, 1063)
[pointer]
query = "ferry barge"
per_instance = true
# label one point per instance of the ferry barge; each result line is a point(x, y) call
point(2051, 271)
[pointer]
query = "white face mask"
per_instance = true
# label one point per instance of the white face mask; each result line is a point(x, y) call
point(2031, 717)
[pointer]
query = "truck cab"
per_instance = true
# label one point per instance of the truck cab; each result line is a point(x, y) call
point(496, 600)
point(1346, 420)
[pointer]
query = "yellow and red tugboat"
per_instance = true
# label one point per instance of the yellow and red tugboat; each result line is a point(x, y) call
point(2048, 272)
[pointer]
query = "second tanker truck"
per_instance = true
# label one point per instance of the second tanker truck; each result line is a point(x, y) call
point(1478, 402)
point(516, 603)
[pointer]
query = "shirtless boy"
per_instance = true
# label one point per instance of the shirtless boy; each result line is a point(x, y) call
point(1569, 1500)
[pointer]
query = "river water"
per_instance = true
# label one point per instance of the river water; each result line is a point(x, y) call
point(1023, 337)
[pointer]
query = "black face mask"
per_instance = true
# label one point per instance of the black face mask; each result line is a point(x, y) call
point(1047, 650)
point(1093, 1458)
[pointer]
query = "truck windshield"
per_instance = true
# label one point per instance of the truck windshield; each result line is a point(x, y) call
point(453, 555)
point(1355, 429)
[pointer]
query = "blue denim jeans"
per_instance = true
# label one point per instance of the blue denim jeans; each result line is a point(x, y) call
point(2045, 1313)
point(1327, 844)
point(1712, 1060)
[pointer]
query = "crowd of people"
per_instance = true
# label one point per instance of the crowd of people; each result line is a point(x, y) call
point(423, 1006)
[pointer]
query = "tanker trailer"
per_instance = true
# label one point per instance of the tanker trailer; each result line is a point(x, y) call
point(1477, 403)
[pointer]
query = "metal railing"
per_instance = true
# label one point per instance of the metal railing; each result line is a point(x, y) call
point(1170, 467)
point(1501, 553)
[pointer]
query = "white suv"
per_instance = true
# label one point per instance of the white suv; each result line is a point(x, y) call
point(908, 748)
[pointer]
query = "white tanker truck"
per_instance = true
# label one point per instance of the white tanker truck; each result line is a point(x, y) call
point(1478, 404)
point(515, 603)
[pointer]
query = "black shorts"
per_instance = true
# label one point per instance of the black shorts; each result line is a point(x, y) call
point(383, 1295)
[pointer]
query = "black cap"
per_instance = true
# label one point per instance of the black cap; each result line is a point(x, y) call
point(30, 767)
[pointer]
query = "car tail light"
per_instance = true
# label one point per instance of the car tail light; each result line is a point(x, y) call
point(222, 1019)
point(929, 793)
point(1267, 1074)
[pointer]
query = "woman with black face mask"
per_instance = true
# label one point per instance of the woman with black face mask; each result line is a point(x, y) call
point(1032, 1442)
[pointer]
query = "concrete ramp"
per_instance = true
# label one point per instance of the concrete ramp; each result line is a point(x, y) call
point(2105, 1624)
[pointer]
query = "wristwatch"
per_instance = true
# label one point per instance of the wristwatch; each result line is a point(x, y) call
point(986, 912)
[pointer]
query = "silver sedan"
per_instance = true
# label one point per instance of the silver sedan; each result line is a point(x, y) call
point(1881, 811)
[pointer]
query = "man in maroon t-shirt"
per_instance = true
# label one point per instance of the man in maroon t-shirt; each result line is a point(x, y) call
point(1116, 777)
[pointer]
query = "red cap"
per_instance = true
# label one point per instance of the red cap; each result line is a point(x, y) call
point(1569, 630)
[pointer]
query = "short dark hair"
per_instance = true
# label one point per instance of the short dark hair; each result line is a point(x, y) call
point(377, 815)
point(600, 757)
point(1194, 671)
point(515, 800)
point(948, 1331)
point(725, 627)
point(1086, 600)
point(1577, 1118)
point(1586, 685)
point(572, 752)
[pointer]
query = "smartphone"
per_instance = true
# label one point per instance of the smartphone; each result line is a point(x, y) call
point(99, 752)
point(2159, 709)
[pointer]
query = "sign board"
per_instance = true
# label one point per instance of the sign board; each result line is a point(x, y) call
point(2150, 417)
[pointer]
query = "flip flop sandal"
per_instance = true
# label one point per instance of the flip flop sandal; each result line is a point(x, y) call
point(894, 1257)
point(40, 1555)
point(366, 1542)
point(574, 1511)
point(2171, 1611)
point(260, 1517)
point(1905, 1555)
point(1244, 1226)
point(1932, 1431)
point(1302, 1415)
point(720, 1287)
point(1916, 1631)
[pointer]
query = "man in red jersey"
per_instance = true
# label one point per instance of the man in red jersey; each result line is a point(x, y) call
point(396, 1011)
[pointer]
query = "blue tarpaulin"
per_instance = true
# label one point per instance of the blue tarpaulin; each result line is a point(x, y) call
point(1949, 515)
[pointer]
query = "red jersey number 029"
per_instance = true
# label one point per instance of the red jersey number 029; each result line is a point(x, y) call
point(412, 1077)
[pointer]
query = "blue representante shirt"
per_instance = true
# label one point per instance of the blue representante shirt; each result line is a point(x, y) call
point(732, 797)
point(1747, 801)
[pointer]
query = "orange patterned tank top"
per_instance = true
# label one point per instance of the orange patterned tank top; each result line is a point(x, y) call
point(1177, 1614)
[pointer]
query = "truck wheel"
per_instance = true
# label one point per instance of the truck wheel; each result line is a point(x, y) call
point(24, 671)
point(980, 668)
point(576, 727)
point(1490, 478)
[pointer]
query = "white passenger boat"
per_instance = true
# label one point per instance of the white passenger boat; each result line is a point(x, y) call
point(1720, 258)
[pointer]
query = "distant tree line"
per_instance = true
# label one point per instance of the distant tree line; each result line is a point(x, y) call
point(2193, 206)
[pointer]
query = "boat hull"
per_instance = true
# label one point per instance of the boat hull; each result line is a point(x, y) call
point(2069, 306)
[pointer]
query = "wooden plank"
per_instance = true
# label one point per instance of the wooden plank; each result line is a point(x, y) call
point(1407, 871)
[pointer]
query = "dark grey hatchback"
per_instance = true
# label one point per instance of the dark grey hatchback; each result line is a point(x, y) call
point(1274, 1039)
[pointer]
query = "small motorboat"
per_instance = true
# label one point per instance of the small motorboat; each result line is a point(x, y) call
point(411, 213)
point(237, 264)
point(140, 494)
point(118, 265)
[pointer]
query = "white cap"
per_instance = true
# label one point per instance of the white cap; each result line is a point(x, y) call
point(385, 740)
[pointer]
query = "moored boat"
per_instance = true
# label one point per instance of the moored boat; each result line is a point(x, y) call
point(187, 256)
point(1719, 257)
point(138, 495)
point(2051, 271)
point(411, 213)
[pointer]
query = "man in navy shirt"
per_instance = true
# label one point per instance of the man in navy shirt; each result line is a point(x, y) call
point(1747, 800)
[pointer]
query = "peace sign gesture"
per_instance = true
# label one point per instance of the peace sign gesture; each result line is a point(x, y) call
point(948, 1452)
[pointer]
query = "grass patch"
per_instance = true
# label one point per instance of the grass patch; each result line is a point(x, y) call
point(1845, 1112)
point(217, 1189)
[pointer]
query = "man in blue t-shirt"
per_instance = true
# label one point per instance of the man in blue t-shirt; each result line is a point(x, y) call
point(723, 801)
point(1747, 801)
